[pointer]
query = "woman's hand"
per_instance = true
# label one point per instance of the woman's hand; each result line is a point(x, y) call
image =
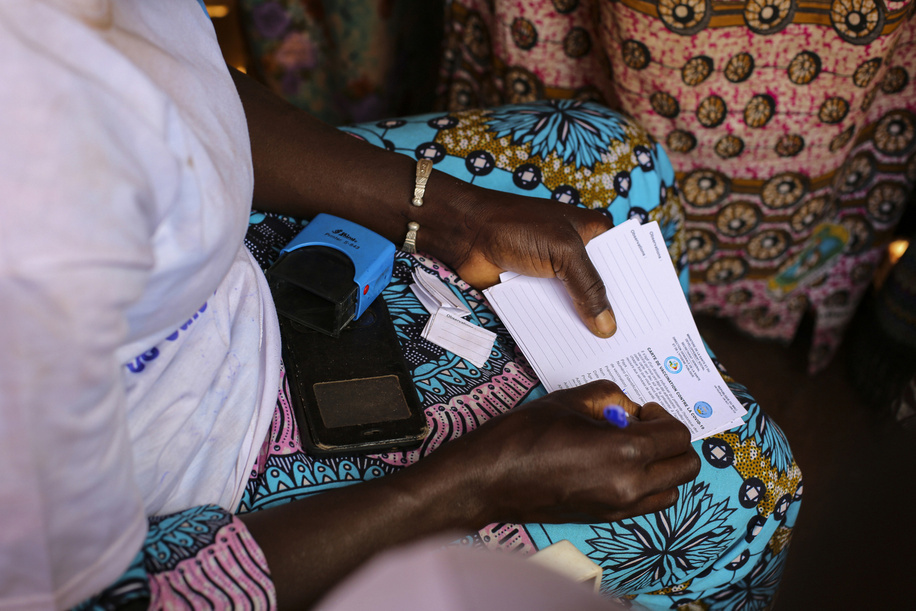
point(552, 460)
point(540, 238)
point(556, 460)
point(303, 167)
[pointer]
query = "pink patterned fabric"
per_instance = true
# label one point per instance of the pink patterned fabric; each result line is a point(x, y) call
point(791, 127)
point(448, 421)
point(283, 438)
point(230, 573)
point(458, 416)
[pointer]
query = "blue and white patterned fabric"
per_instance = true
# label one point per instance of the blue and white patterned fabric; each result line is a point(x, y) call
point(724, 543)
point(721, 546)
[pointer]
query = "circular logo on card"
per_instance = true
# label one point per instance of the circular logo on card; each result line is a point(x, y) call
point(703, 409)
point(673, 364)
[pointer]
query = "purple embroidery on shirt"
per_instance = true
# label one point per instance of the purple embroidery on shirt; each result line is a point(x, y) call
point(139, 363)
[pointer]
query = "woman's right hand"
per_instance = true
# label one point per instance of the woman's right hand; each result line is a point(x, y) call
point(552, 460)
point(557, 460)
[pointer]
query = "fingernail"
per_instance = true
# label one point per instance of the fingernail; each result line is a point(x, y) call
point(606, 324)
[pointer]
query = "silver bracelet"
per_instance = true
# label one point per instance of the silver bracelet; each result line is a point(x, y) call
point(410, 242)
point(424, 169)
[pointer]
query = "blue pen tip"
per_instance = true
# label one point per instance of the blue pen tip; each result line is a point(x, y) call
point(616, 415)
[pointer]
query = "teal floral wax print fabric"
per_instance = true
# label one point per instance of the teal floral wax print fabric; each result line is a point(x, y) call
point(723, 545)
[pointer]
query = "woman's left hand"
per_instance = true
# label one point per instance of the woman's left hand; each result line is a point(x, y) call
point(540, 238)
point(303, 166)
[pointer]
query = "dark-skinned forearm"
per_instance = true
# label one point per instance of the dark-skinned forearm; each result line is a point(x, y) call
point(313, 543)
point(303, 166)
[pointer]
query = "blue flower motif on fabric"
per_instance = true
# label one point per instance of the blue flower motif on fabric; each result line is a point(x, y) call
point(578, 132)
point(755, 592)
point(663, 548)
point(768, 436)
point(299, 475)
point(179, 536)
point(448, 376)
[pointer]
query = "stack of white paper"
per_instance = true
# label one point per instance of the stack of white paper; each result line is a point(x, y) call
point(446, 326)
point(657, 353)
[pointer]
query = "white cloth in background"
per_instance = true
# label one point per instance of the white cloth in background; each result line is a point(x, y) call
point(140, 348)
point(430, 575)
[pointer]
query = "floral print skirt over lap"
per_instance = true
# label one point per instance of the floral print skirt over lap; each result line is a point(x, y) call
point(790, 125)
point(725, 541)
point(721, 546)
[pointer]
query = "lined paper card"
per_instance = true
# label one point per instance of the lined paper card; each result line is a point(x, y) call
point(459, 337)
point(657, 353)
point(446, 326)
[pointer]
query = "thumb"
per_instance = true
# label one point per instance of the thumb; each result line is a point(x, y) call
point(586, 289)
point(593, 397)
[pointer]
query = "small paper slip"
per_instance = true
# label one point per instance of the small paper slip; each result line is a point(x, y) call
point(434, 294)
point(459, 336)
point(657, 353)
point(447, 327)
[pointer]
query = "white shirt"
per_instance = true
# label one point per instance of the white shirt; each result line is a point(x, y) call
point(125, 186)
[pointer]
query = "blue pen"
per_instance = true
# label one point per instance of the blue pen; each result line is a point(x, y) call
point(616, 415)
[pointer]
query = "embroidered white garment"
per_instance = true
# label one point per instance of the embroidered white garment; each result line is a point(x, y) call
point(140, 348)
